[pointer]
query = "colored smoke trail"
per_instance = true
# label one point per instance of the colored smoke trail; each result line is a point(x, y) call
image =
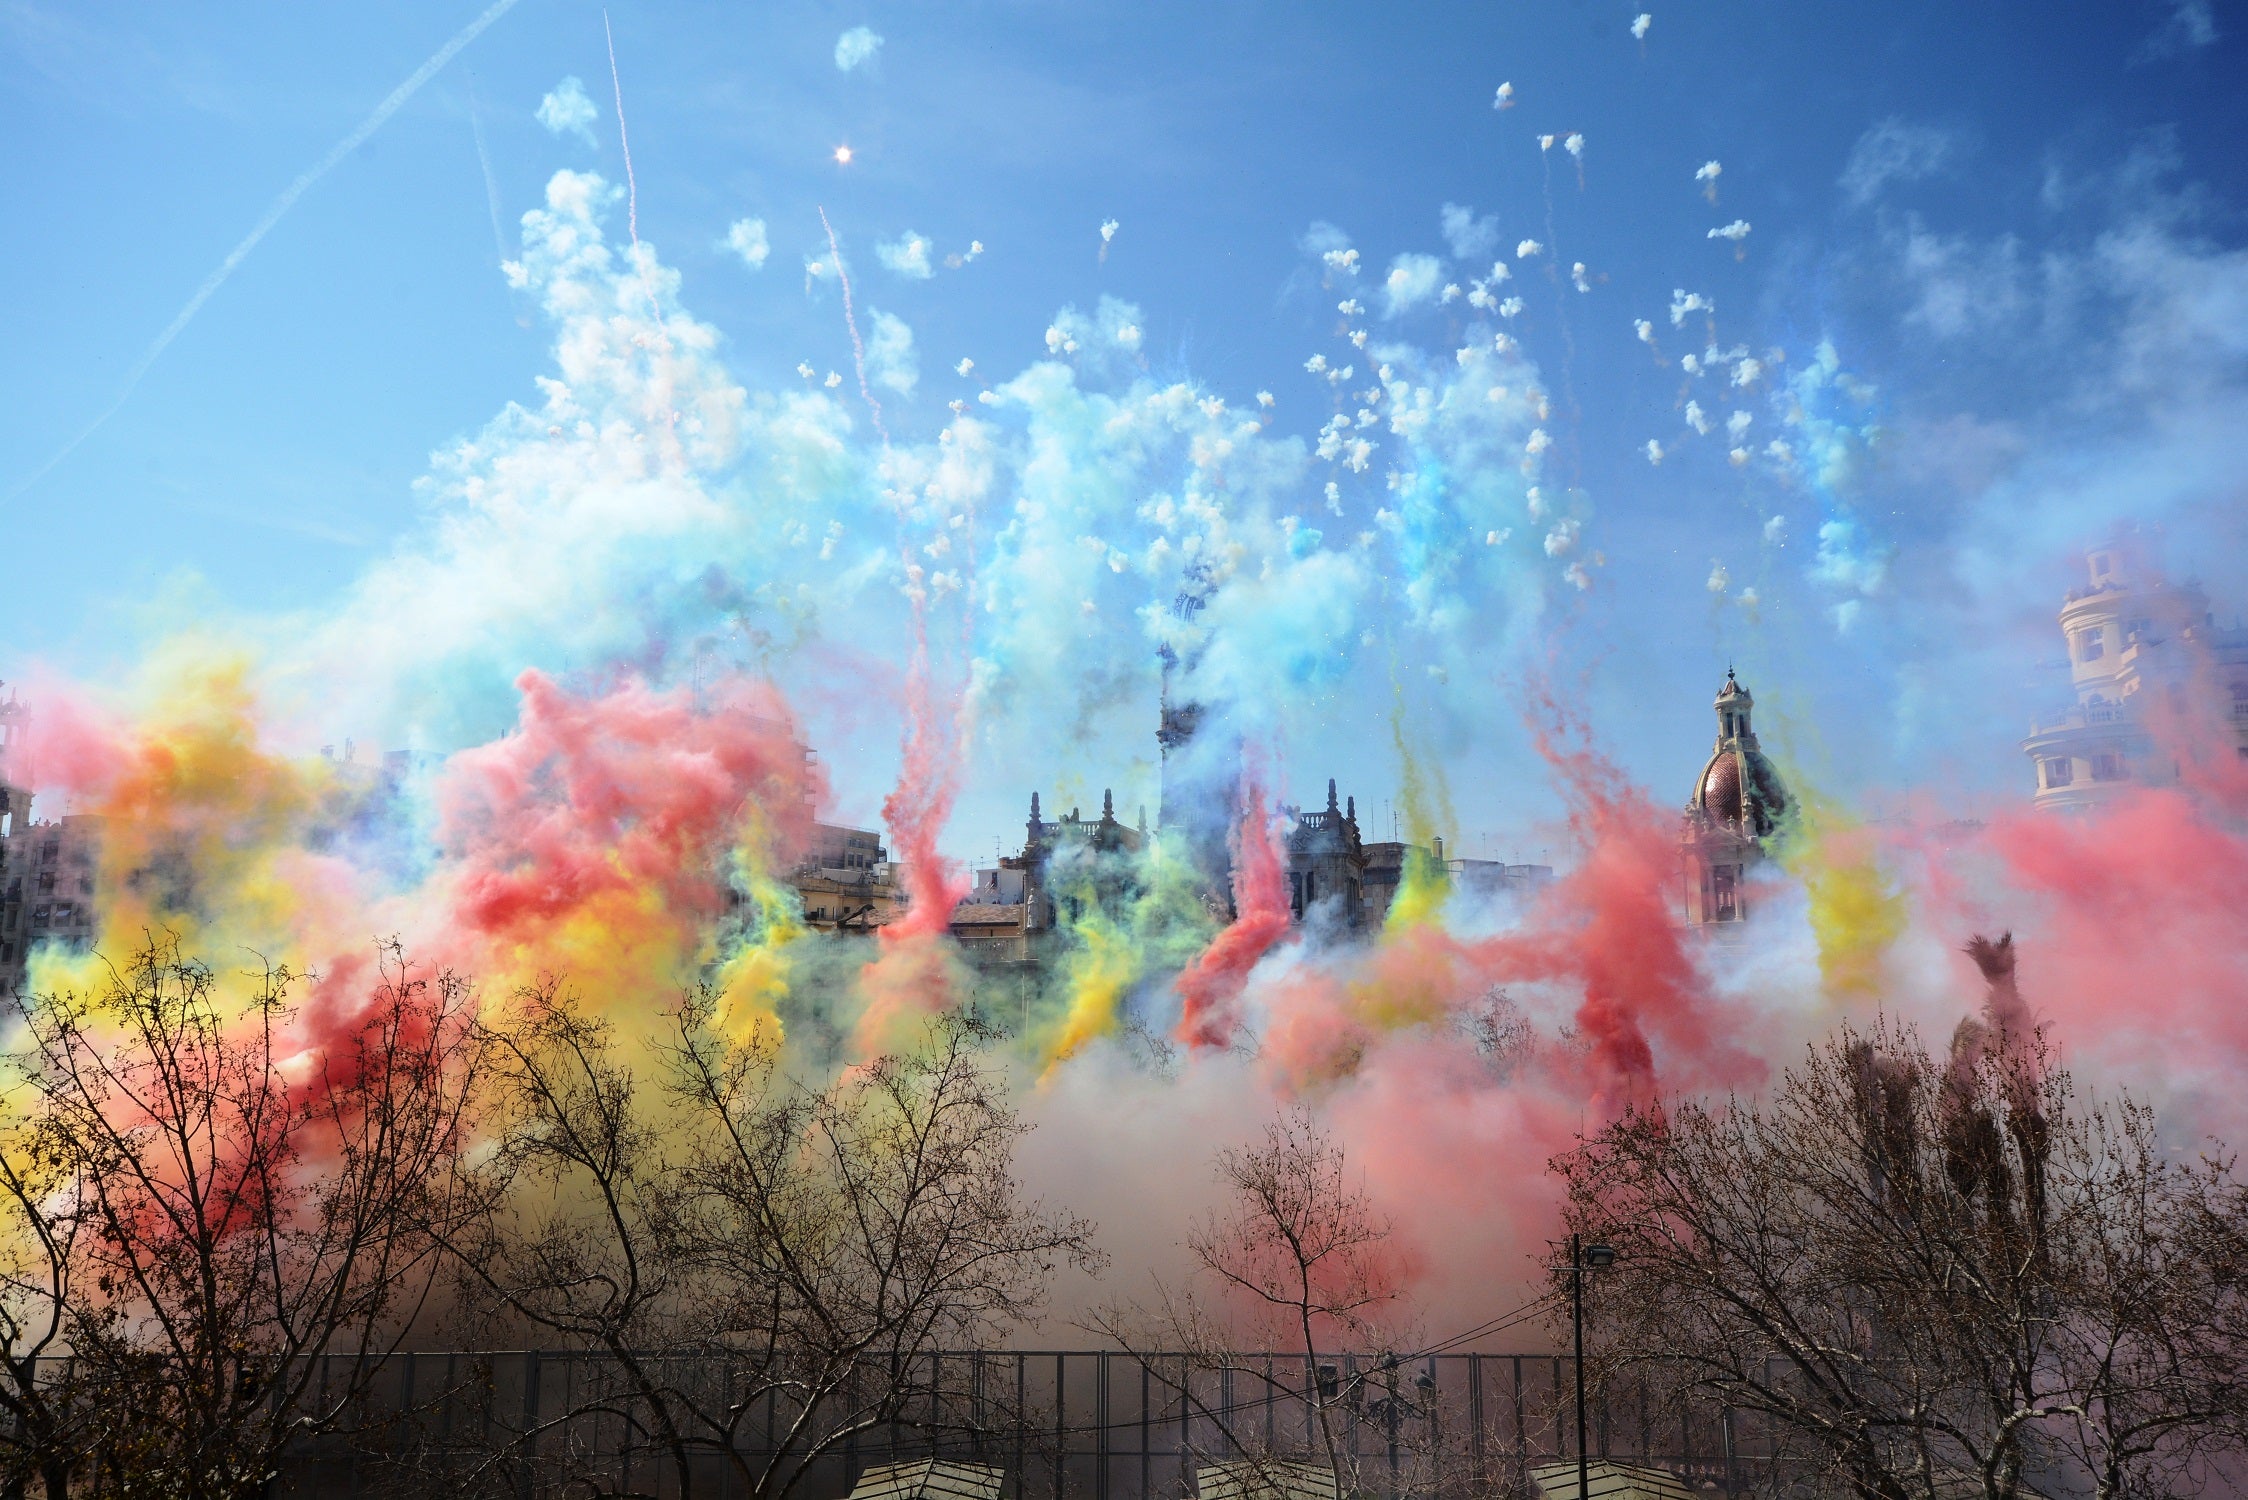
point(1856, 911)
point(1211, 986)
point(1424, 883)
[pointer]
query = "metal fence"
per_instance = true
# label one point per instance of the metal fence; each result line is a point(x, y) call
point(1062, 1425)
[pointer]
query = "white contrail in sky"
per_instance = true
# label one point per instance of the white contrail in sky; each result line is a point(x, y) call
point(281, 205)
point(491, 183)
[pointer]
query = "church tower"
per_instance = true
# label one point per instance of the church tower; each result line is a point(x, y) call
point(1737, 804)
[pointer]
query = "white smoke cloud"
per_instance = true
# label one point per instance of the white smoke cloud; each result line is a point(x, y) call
point(1894, 151)
point(746, 238)
point(890, 360)
point(568, 111)
point(856, 48)
point(1468, 237)
point(908, 256)
point(1412, 280)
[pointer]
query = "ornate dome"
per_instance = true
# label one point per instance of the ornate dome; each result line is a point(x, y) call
point(1738, 787)
point(1721, 787)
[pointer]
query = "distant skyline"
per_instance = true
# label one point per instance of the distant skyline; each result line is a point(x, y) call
point(1978, 275)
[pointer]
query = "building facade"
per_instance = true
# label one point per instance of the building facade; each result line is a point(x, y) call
point(1735, 808)
point(2140, 651)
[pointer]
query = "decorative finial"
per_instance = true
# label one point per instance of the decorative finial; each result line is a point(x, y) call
point(1108, 806)
point(1351, 810)
point(1331, 795)
point(1033, 807)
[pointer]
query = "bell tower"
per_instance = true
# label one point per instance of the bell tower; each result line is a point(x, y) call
point(1737, 804)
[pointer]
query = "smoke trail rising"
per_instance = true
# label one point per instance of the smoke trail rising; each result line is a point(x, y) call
point(1211, 987)
point(624, 140)
point(851, 321)
point(484, 159)
point(281, 205)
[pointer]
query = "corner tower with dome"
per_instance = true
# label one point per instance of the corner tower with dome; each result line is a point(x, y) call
point(1737, 804)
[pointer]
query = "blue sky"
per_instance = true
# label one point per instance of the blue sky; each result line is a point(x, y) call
point(1998, 251)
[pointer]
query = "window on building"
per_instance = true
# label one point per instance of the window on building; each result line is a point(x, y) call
point(1724, 894)
point(2108, 766)
point(2090, 645)
point(2059, 771)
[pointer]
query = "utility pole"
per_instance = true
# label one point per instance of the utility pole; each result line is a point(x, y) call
point(1583, 1257)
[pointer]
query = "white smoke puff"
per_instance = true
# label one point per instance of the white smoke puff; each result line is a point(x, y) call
point(1534, 498)
point(1527, 249)
point(1538, 443)
point(908, 256)
point(1739, 456)
point(1504, 99)
point(1465, 235)
point(1691, 364)
point(1639, 25)
point(1545, 143)
point(1775, 531)
point(1345, 261)
point(1576, 576)
point(833, 380)
point(1334, 497)
point(567, 111)
point(1683, 302)
point(1577, 276)
point(1350, 307)
point(1696, 418)
point(1654, 451)
point(889, 354)
point(1358, 339)
point(1644, 330)
point(1108, 230)
point(1562, 537)
point(856, 48)
point(1264, 399)
point(1736, 231)
point(1707, 172)
point(1502, 344)
point(806, 371)
point(1746, 372)
point(1126, 336)
point(1779, 451)
point(1412, 280)
point(1497, 538)
point(1510, 307)
point(1501, 271)
point(1451, 293)
point(1575, 144)
point(1747, 599)
point(746, 238)
point(1719, 579)
point(964, 367)
point(1737, 424)
point(1315, 364)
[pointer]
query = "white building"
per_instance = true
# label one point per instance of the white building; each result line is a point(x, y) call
point(2150, 669)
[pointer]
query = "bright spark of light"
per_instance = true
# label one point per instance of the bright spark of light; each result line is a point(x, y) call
point(842, 156)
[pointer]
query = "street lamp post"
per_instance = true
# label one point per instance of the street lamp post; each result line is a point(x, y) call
point(1583, 1257)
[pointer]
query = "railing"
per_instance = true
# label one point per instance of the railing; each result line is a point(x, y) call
point(1062, 1425)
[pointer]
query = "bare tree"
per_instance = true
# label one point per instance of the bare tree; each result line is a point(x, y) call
point(47, 1415)
point(1921, 1272)
point(1297, 1262)
point(242, 1204)
point(770, 1267)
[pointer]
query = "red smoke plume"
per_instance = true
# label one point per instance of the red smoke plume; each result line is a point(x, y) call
point(1212, 984)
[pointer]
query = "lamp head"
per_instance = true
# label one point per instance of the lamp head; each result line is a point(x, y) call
point(1599, 1257)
